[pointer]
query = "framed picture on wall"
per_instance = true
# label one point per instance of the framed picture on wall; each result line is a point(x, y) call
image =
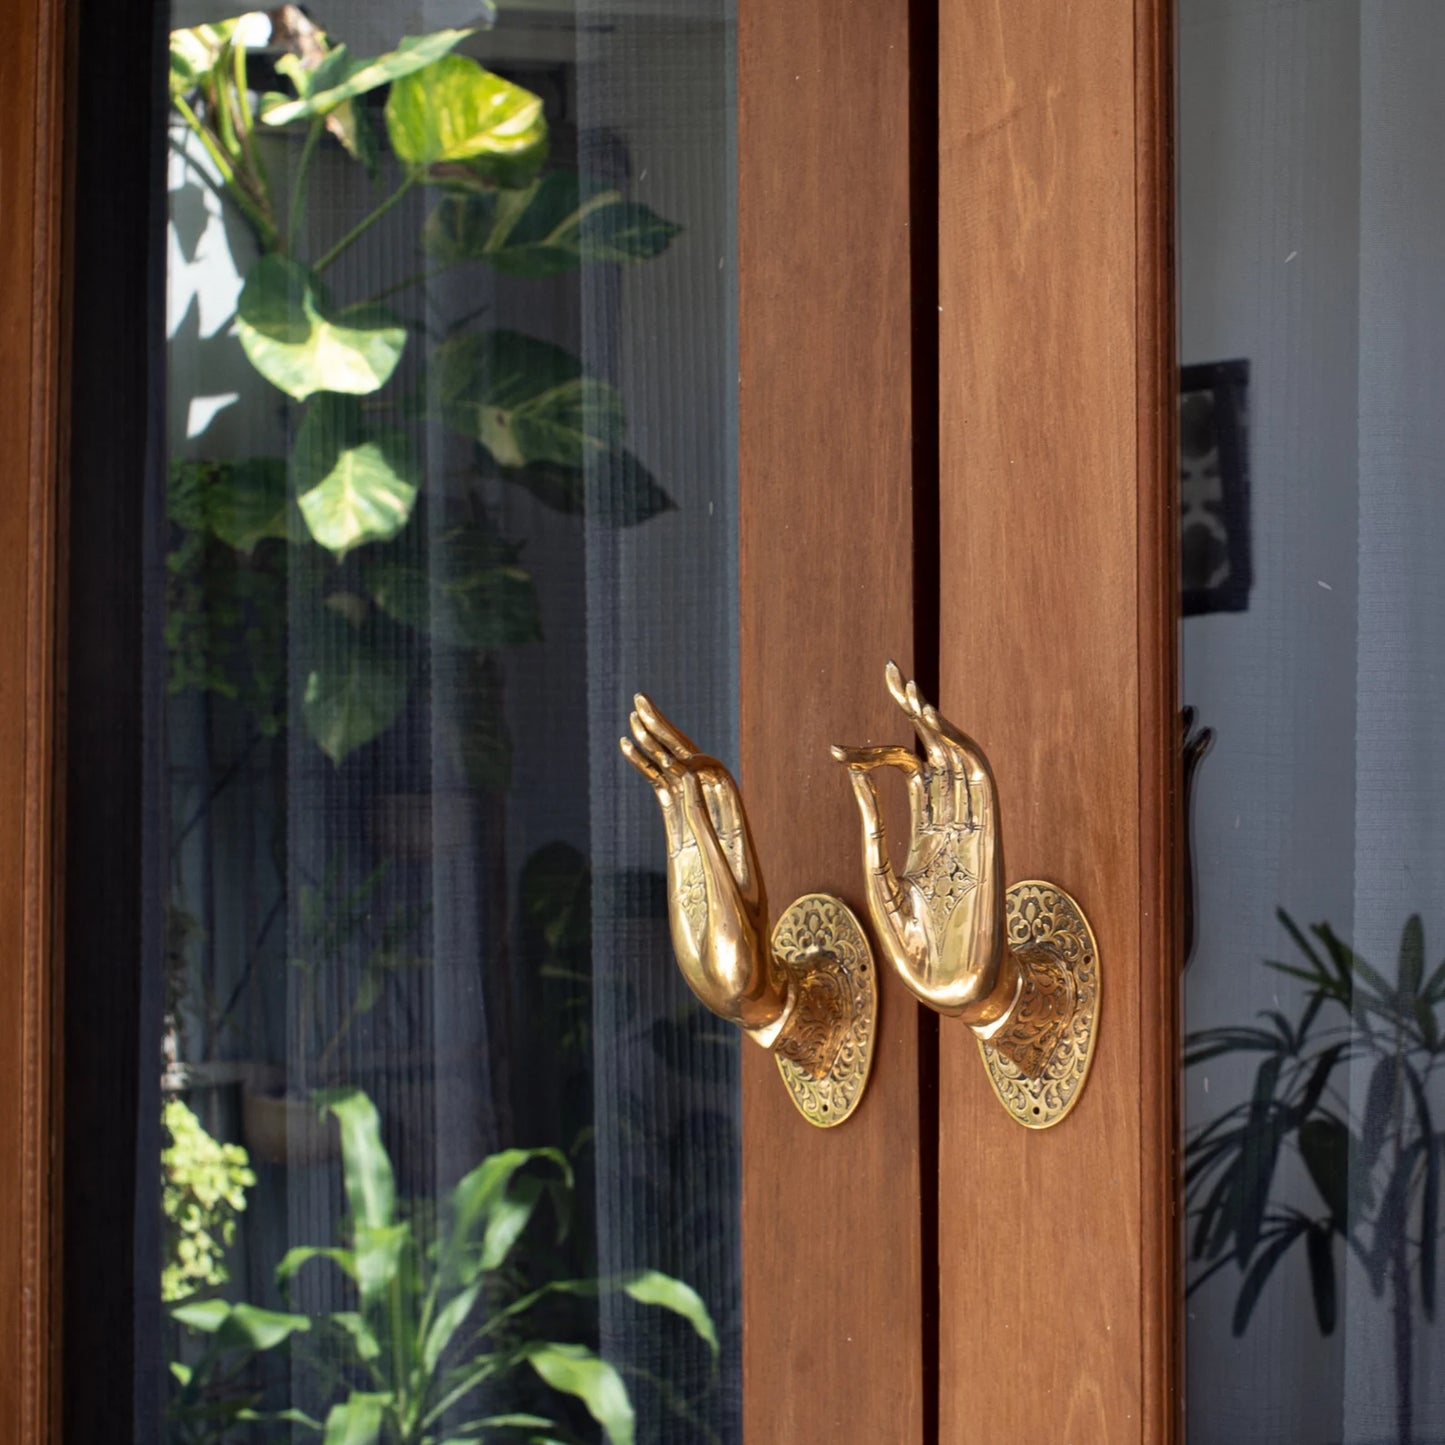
point(1214, 487)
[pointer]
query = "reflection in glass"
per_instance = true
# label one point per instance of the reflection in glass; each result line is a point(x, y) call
point(1311, 199)
point(449, 1151)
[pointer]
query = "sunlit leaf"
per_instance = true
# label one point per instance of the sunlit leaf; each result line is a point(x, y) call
point(289, 337)
point(577, 1371)
point(651, 1287)
point(319, 92)
point(353, 486)
point(358, 1421)
point(302, 1254)
point(240, 1326)
point(380, 1251)
point(453, 112)
point(366, 1166)
point(525, 400)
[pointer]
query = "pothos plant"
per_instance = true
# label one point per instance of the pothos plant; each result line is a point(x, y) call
point(318, 539)
point(1370, 1184)
point(441, 1346)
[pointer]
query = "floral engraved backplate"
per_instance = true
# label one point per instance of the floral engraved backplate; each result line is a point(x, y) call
point(826, 1048)
point(1039, 1061)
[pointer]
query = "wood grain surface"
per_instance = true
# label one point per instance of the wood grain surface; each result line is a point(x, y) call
point(1057, 1250)
point(831, 1244)
point(31, 175)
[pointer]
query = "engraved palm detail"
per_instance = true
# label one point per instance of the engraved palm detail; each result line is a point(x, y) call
point(941, 922)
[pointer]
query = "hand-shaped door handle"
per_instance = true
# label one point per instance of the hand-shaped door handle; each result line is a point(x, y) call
point(1018, 965)
point(809, 993)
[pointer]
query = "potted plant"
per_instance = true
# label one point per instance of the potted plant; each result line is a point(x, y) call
point(1371, 1178)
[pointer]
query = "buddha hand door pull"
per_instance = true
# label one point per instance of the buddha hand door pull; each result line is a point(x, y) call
point(808, 992)
point(1018, 965)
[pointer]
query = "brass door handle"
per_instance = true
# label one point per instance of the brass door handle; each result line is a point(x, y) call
point(1018, 964)
point(807, 992)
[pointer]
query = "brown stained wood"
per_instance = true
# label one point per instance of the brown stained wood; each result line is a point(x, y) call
point(31, 173)
point(1057, 1250)
point(831, 1243)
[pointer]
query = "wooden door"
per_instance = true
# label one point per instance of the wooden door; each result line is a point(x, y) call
point(955, 451)
point(958, 444)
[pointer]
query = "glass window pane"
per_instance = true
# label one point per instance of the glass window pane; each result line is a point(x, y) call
point(449, 1150)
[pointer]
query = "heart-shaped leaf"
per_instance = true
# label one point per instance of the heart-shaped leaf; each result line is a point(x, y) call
point(554, 225)
point(525, 400)
point(615, 489)
point(289, 338)
point(354, 692)
point(321, 89)
point(486, 608)
point(453, 112)
point(352, 486)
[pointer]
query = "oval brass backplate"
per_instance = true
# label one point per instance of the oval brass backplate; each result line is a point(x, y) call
point(825, 950)
point(1041, 916)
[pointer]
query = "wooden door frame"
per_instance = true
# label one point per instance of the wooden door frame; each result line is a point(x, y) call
point(32, 429)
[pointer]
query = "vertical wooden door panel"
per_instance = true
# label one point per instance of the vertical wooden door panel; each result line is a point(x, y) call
point(31, 172)
point(831, 1246)
point(1057, 1248)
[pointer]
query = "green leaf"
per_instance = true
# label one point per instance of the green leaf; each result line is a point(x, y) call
point(319, 94)
point(358, 1421)
point(302, 1254)
point(196, 52)
point(555, 891)
point(623, 493)
point(577, 1371)
point(366, 1166)
point(380, 1251)
point(492, 607)
point(240, 1326)
point(477, 1197)
point(525, 400)
point(354, 691)
point(352, 486)
point(246, 503)
point(363, 1337)
point(551, 227)
point(291, 1416)
point(450, 1318)
point(290, 339)
point(651, 1287)
point(453, 111)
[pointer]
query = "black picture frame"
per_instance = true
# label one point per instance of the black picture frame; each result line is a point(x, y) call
point(1216, 564)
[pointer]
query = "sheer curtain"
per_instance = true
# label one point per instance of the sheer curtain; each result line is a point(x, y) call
point(1312, 194)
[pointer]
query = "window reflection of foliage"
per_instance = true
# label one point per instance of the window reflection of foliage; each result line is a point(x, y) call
point(439, 1339)
point(1371, 1183)
point(225, 605)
